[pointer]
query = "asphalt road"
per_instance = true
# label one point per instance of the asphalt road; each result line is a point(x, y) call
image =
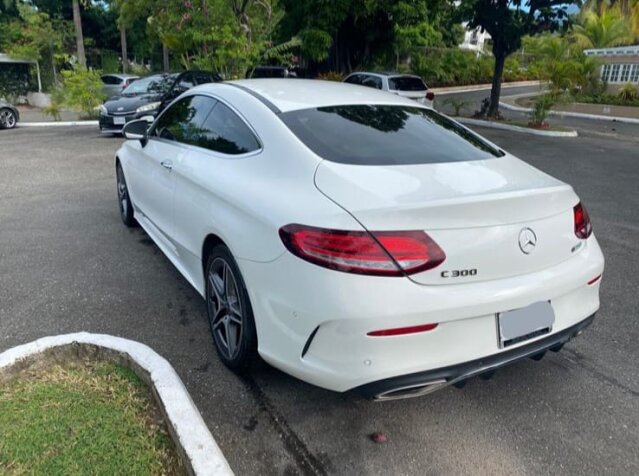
point(68, 264)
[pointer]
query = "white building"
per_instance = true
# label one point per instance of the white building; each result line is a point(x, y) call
point(474, 40)
point(619, 65)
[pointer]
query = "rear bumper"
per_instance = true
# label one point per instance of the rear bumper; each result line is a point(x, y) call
point(422, 383)
point(313, 323)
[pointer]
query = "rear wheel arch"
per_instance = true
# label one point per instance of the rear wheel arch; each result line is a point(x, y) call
point(211, 241)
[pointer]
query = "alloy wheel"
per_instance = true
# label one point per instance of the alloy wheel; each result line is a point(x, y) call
point(225, 308)
point(7, 118)
point(123, 193)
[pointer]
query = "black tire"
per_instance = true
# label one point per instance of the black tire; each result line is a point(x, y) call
point(124, 199)
point(229, 311)
point(8, 118)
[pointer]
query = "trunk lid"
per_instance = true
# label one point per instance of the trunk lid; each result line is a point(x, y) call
point(476, 211)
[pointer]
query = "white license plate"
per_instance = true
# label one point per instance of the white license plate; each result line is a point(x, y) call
point(525, 323)
point(118, 121)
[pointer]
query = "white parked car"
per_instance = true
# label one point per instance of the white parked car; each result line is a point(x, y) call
point(356, 239)
point(405, 85)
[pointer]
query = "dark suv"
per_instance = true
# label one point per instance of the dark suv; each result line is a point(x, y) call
point(148, 96)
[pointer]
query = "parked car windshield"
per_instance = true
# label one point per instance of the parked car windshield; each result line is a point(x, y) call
point(386, 135)
point(406, 83)
point(157, 84)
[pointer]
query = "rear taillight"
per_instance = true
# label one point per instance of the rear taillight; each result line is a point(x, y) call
point(430, 96)
point(583, 227)
point(382, 253)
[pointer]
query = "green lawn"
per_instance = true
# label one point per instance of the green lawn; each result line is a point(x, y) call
point(88, 418)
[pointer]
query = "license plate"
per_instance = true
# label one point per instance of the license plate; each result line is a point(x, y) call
point(118, 121)
point(525, 323)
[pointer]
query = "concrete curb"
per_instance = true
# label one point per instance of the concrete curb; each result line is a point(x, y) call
point(57, 124)
point(481, 87)
point(579, 115)
point(191, 435)
point(508, 127)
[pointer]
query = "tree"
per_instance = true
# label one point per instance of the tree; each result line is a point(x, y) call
point(507, 22)
point(32, 34)
point(226, 36)
point(610, 28)
point(347, 34)
point(629, 9)
point(79, 38)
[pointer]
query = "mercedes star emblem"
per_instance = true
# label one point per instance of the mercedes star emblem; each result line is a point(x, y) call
point(527, 240)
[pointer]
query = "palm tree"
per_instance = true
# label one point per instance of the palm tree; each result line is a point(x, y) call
point(610, 28)
point(628, 8)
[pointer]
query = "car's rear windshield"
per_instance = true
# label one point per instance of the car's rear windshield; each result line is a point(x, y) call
point(157, 84)
point(406, 83)
point(385, 135)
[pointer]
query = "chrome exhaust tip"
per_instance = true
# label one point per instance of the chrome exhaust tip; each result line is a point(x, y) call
point(410, 391)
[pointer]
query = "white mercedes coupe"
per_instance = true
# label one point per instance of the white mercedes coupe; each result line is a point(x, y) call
point(355, 239)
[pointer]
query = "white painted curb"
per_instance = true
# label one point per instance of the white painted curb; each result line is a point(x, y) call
point(579, 115)
point(200, 447)
point(481, 87)
point(508, 127)
point(57, 124)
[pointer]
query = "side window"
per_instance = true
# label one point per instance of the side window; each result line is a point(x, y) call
point(107, 79)
point(354, 79)
point(223, 131)
point(372, 82)
point(182, 121)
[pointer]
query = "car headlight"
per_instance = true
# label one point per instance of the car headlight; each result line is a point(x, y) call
point(103, 110)
point(148, 107)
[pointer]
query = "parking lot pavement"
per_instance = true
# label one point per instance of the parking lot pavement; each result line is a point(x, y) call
point(67, 264)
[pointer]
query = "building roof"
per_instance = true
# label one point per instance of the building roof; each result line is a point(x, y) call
point(293, 94)
point(632, 50)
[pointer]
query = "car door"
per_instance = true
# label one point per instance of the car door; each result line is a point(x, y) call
point(153, 178)
point(203, 181)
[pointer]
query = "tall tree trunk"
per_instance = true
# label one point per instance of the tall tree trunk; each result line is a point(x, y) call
point(165, 57)
point(125, 56)
point(79, 38)
point(495, 92)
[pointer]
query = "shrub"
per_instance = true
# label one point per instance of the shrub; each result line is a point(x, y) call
point(331, 76)
point(83, 90)
point(57, 100)
point(628, 93)
point(541, 107)
point(457, 105)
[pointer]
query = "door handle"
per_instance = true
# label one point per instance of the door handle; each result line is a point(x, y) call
point(167, 164)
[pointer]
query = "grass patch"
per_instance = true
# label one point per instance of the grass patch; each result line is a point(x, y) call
point(83, 418)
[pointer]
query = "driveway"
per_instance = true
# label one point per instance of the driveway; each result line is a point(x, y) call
point(68, 264)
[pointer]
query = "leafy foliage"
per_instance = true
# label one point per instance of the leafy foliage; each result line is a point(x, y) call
point(610, 28)
point(83, 90)
point(507, 22)
point(541, 107)
point(629, 93)
point(331, 76)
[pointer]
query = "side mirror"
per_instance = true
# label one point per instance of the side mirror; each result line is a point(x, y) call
point(136, 130)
